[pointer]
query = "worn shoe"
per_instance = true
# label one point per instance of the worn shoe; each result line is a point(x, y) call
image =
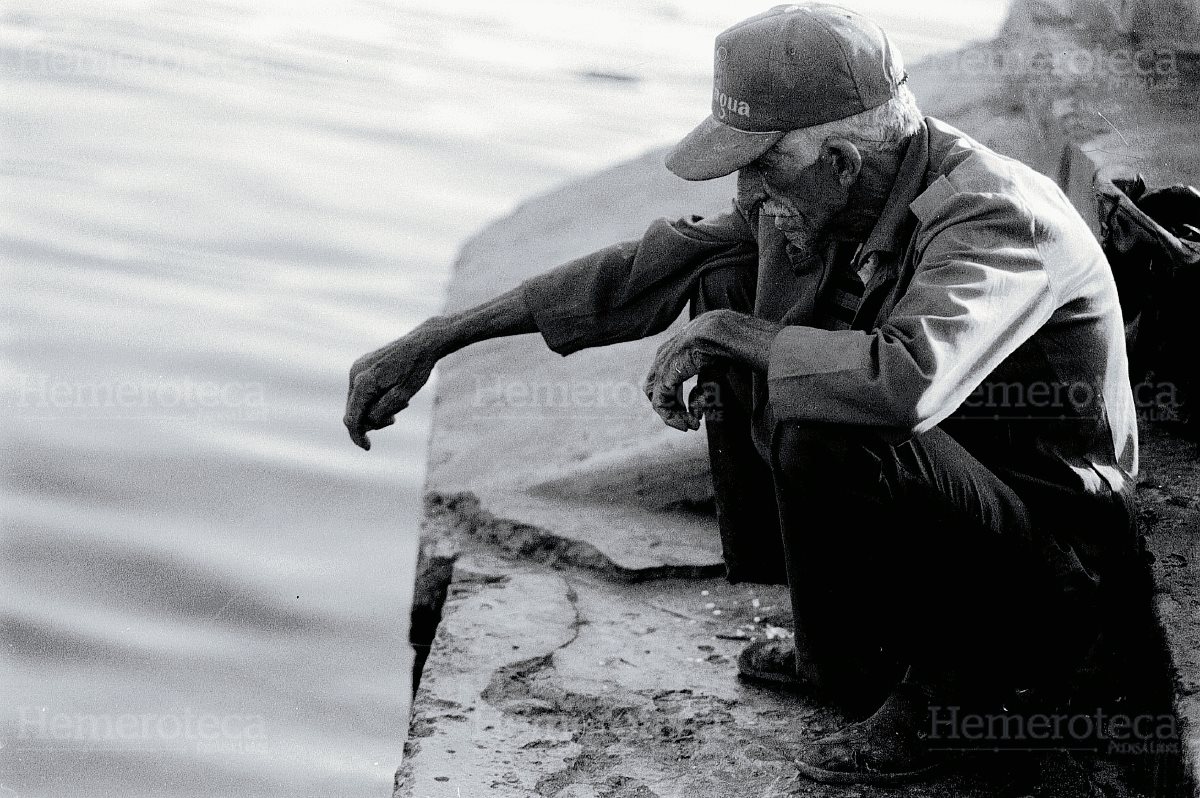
point(886, 748)
point(772, 663)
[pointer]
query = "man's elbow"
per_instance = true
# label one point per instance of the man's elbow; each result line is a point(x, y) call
point(912, 405)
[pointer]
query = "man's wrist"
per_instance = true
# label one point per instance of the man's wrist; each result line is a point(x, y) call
point(742, 338)
point(763, 334)
point(440, 334)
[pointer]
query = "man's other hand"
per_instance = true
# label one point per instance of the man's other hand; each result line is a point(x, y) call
point(677, 360)
point(382, 382)
point(706, 339)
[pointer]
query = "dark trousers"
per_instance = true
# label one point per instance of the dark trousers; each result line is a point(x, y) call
point(897, 553)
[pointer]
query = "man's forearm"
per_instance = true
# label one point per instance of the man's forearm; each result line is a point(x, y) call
point(504, 315)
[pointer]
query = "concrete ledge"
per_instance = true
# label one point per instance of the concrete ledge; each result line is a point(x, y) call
point(461, 515)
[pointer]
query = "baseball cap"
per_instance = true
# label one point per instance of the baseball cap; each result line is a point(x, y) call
point(791, 67)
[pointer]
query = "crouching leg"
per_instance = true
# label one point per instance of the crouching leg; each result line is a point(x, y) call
point(918, 579)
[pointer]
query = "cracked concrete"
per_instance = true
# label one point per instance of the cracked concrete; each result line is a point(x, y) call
point(566, 684)
point(462, 514)
point(462, 737)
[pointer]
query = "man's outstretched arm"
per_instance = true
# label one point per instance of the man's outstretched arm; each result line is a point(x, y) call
point(620, 293)
point(382, 382)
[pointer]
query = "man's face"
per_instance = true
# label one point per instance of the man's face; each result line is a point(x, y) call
point(803, 194)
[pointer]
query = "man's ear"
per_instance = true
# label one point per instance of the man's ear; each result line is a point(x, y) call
point(843, 157)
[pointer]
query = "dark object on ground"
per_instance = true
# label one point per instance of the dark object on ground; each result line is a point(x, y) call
point(773, 663)
point(1152, 241)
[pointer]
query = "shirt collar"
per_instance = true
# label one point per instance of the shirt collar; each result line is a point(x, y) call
point(888, 234)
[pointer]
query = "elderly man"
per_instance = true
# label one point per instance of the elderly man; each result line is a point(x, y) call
point(910, 358)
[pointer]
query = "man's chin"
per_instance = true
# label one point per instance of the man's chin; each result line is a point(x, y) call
point(810, 242)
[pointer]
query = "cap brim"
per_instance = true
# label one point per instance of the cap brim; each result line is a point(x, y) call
point(715, 149)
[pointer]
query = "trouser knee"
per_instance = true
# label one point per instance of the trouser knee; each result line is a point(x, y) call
point(809, 456)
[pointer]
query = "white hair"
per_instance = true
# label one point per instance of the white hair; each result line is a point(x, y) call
point(879, 129)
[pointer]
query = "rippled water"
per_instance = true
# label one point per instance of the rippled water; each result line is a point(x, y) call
point(209, 210)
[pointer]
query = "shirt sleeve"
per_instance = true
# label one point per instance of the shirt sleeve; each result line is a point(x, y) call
point(637, 288)
point(978, 292)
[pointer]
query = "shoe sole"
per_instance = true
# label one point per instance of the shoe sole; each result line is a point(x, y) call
point(775, 681)
point(843, 777)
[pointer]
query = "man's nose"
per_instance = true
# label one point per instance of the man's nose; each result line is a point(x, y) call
point(750, 187)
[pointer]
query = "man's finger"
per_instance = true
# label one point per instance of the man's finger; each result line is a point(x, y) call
point(668, 352)
point(657, 369)
point(362, 392)
point(699, 402)
point(665, 395)
point(362, 364)
point(388, 406)
point(360, 438)
point(680, 422)
point(674, 419)
point(666, 401)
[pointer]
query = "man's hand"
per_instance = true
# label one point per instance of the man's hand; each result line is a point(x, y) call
point(706, 339)
point(382, 382)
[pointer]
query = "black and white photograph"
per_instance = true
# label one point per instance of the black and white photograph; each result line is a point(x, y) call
point(606, 399)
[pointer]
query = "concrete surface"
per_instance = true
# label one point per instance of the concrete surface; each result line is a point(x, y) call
point(566, 684)
point(586, 648)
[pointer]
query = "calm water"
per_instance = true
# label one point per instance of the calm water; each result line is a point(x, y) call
point(209, 209)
